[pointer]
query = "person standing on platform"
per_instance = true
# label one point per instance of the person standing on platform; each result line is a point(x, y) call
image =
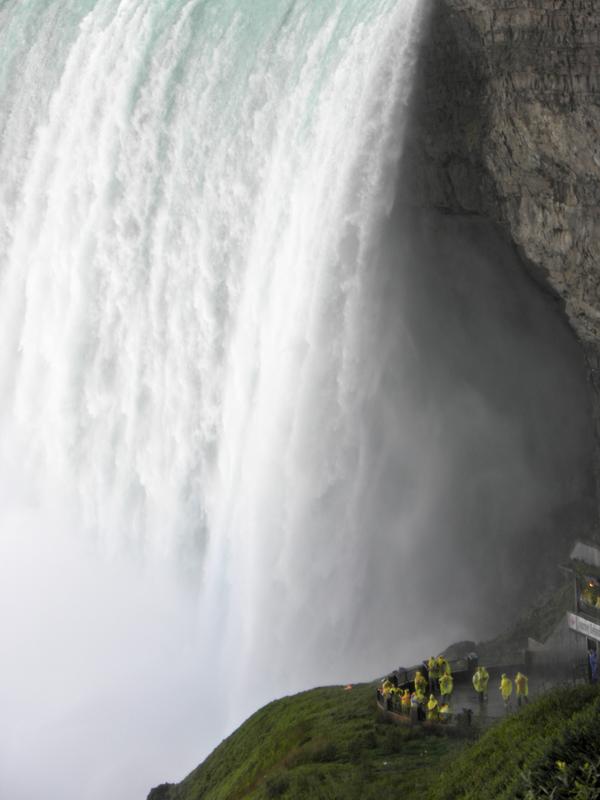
point(522, 687)
point(420, 683)
point(444, 713)
point(480, 683)
point(506, 688)
point(443, 666)
point(593, 662)
point(446, 687)
point(421, 703)
point(433, 673)
point(414, 708)
point(432, 709)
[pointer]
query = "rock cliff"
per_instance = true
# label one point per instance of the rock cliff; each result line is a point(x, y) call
point(506, 125)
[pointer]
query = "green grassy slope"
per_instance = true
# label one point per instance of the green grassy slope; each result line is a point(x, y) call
point(562, 725)
point(325, 743)
point(329, 744)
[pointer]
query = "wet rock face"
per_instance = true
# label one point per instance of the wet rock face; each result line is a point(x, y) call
point(507, 124)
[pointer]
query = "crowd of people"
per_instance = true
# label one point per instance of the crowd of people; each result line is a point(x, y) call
point(428, 695)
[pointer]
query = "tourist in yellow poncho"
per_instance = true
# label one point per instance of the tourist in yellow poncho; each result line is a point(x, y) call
point(405, 702)
point(480, 683)
point(432, 709)
point(506, 688)
point(522, 687)
point(420, 683)
point(443, 666)
point(446, 687)
point(434, 673)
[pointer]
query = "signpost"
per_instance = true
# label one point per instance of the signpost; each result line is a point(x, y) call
point(584, 626)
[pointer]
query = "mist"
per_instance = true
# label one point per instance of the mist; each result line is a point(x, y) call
point(500, 417)
point(102, 668)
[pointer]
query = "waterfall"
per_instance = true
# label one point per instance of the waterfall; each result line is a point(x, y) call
point(191, 206)
point(263, 425)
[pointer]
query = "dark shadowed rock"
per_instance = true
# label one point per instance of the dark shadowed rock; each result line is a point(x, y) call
point(505, 125)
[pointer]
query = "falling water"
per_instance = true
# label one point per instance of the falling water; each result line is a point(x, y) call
point(192, 193)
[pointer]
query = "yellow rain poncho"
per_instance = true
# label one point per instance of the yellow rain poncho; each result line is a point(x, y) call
point(420, 683)
point(405, 702)
point(446, 685)
point(432, 709)
point(480, 679)
point(506, 688)
point(522, 685)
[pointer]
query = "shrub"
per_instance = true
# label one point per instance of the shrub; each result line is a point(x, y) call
point(568, 767)
point(276, 785)
point(394, 741)
point(567, 782)
point(324, 753)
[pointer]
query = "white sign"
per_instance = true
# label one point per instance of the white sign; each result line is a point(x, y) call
point(584, 626)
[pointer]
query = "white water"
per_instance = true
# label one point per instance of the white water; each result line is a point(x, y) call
point(190, 364)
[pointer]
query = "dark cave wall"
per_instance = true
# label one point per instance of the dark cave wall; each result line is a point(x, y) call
point(506, 125)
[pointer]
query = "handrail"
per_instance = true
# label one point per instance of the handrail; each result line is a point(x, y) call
point(464, 719)
point(461, 667)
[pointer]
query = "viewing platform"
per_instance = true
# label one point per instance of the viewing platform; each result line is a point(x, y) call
point(564, 657)
point(466, 711)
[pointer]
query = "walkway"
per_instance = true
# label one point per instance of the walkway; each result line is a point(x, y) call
point(464, 696)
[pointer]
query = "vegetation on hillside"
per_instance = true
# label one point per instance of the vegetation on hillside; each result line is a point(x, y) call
point(547, 743)
point(324, 744)
point(329, 744)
